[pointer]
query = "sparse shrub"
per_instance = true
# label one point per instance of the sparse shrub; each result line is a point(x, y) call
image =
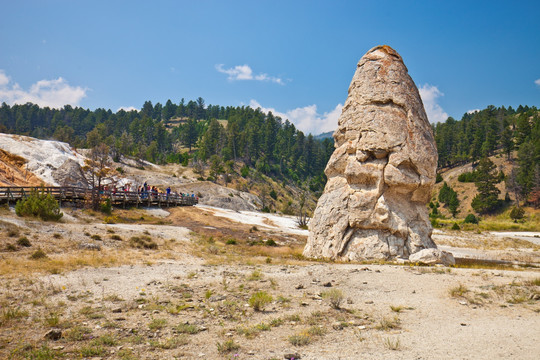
point(111, 219)
point(273, 194)
point(187, 329)
point(300, 339)
point(13, 232)
point(517, 213)
point(438, 178)
point(255, 275)
point(392, 344)
point(458, 291)
point(259, 300)
point(157, 324)
point(11, 247)
point(271, 242)
point(456, 226)
point(116, 237)
point(244, 171)
point(39, 204)
point(95, 237)
point(470, 219)
point(386, 323)
point(38, 255)
point(106, 207)
point(231, 242)
point(227, 346)
point(334, 296)
point(143, 242)
point(57, 236)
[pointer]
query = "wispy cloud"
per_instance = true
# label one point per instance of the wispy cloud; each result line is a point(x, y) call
point(435, 112)
point(307, 118)
point(472, 111)
point(244, 72)
point(52, 93)
point(537, 82)
point(126, 108)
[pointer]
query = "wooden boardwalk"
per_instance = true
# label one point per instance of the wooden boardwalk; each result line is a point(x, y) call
point(78, 196)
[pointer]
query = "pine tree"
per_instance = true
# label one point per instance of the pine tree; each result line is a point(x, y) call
point(487, 198)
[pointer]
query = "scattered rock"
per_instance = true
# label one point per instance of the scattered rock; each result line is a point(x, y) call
point(382, 170)
point(299, 287)
point(291, 356)
point(432, 257)
point(117, 310)
point(90, 246)
point(53, 334)
point(328, 284)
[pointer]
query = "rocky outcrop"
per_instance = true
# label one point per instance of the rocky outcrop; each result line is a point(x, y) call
point(433, 257)
point(382, 170)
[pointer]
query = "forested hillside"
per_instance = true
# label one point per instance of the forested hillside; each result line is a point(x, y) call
point(478, 135)
point(222, 137)
point(185, 133)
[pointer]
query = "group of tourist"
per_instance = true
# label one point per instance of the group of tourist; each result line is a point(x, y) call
point(144, 191)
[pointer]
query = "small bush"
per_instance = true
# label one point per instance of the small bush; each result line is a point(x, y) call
point(517, 213)
point(438, 178)
point(300, 339)
point(259, 300)
point(116, 237)
point(334, 296)
point(38, 255)
point(23, 241)
point(39, 204)
point(143, 242)
point(227, 346)
point(244, 171)
point(106, 207)
point(458, 291)
point(271, 242)
point(456, 226)
point(95, 237)
point(470, 219)
point(11, 247)
point(187, 329)
point(231, 242)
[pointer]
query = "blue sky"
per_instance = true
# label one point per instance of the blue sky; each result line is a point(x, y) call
point(295, 58)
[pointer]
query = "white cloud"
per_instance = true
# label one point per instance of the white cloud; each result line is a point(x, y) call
point(126, 108)
point(429, 94)
point(244, 72)
point(537, 82)
point(307, 118)
point(472, 111)
point(51, 93)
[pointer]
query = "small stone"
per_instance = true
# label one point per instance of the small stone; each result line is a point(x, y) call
point(229, 334)
point(328, 284)
point(463, 324)
point(57, 348)
point(463, 302)
point(53, 334)
point(299, 287)
point(369, 302)
point(251, 352)
point(303, 303)
point(361, 327)
point(117, 310)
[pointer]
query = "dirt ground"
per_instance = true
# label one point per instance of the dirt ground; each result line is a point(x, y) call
point(213, 288)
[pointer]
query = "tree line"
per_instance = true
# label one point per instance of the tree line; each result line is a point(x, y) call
point(185, 132)
point(484, 133)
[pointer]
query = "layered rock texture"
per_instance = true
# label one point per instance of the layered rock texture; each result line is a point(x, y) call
point(382, 170)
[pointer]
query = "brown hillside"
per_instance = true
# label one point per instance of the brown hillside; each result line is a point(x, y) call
point(13, 171)
point(467, 191)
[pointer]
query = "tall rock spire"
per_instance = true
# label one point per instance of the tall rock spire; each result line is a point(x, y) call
point(382, 170)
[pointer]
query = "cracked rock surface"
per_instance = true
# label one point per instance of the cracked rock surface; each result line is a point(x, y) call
point(382, 170)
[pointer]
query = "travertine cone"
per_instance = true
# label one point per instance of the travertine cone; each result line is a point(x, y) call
point(382, 170)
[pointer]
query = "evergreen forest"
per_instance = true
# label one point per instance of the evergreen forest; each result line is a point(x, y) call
point(194, 133)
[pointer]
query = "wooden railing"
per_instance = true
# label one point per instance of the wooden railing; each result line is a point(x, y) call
point(11, 194)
